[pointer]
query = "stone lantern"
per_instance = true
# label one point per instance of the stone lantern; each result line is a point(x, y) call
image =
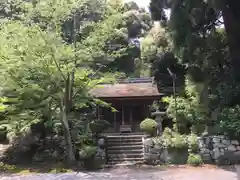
point(159, 118)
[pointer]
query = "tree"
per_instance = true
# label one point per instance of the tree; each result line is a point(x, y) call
point(124, 43)
point(190, 21)
point(40, 70)
point(208, 51)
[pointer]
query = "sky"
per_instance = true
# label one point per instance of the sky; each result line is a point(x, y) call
point(145, 4)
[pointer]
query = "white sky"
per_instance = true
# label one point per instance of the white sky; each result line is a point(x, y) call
point(145, 4)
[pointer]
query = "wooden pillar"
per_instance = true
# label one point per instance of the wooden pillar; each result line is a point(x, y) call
point(98, 113)
point(131, 117)
point(122, 114)
point(144, 111)
point(115, 121)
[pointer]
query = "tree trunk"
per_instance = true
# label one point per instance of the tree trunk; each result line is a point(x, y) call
point(67, 134)
point(231, 17)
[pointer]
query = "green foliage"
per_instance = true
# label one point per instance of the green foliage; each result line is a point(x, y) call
point(194, 159)
point(201, 46)
point(99, 126)
point(45, 77)
point(148, 126)
point(193, 145)
point(172, 140)
point(189, 109)
point(87, 152)
point(229, 121)
point(176, 144)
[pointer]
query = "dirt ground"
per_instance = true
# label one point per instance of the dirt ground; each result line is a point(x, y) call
point(141, 173)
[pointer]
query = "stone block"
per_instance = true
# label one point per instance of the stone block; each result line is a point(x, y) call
point(101, 153)
point(148, 142)
point(221, 152)
point(231, 148)
point(204, 151)
point(216, 139)
point(216, 153)
point(221, 137)
point(234, 142)
point(226, 142)
point(229, 158)
point(207, 158)
point(219, 145)
point(147, 156)
point(158, 147)
point(154, 151)
point(164, 156)
point(237, 153)
point(101, 142)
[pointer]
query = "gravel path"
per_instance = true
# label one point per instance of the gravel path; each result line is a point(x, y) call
point(124, 173)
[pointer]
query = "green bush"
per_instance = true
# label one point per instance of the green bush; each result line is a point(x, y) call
point(190, 111)
point(87, 152)
point(148, 126)
point(193, 143)
point(229, 122)
point(195, 160)
point(173, 139)
point(99, 126)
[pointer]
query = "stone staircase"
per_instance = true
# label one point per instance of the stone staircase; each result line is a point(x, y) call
point(125, 148)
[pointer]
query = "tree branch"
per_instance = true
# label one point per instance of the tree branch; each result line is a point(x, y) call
point(57, 65)
point(87, 83)
point(53, 56)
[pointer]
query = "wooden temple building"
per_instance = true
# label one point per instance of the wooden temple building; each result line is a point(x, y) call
point(131, 98)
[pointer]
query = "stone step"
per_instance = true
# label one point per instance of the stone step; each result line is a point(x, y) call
point(125, 147)
point(124, 134)
point(124, 140)
point(125, 137)
point(124, 156)
point(125, 160)
point(120, 151)
point(110, 144)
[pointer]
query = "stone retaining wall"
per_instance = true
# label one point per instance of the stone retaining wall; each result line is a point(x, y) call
point(213, 149)
point(219, 149)
point(153, 153)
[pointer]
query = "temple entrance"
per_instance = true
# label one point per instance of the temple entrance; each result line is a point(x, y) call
point(128, 116)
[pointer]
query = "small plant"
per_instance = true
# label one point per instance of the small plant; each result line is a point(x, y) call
point(194, 160)
point(148, 126)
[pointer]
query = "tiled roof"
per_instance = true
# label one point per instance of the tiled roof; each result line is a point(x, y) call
point(127, 88)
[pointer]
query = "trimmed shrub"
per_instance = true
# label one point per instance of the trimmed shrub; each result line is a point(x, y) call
point(99, 126)
point(88, 152)
point(148, 126)
point(194, 160)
